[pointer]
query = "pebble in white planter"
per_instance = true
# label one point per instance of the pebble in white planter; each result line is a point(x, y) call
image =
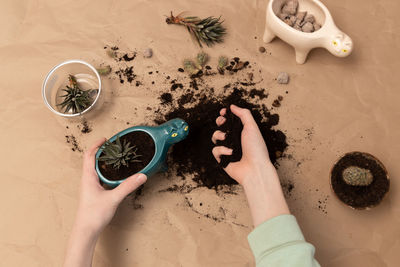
point(328, 36)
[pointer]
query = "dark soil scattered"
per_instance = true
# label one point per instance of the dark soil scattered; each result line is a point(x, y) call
point(119, 55)
point(174, 86)
point(287, 188)
point(193, 155)
point(145, 147)
point(127, 57)
point(185, 189)
point(360, 196)
point(322, 205)
point(84, 127)
point(260, 93)
point(166, 98)
point(277, 102)
point(181, 70)
point(236, 65)
point(126, 74)
point(73, 142)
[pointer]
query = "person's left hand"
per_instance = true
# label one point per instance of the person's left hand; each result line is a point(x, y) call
point(97, 205)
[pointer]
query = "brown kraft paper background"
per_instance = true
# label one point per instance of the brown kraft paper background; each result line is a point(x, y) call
point(333, 106)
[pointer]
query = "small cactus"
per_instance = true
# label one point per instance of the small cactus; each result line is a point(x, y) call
point(104, 70)
point(201, 59)
point(190, 67)
point(357, 176)
point(222, 62)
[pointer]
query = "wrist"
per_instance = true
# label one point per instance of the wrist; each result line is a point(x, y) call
point(86, 226)
point(264, 194)
point(264, 174)
point(85, 230)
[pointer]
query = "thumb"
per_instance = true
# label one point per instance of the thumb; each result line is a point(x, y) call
point(243, 114)
point(129, 185)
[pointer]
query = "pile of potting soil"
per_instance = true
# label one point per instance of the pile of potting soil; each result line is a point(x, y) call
point(199, 108)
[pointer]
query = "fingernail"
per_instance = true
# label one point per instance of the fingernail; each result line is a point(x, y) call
point(141, 178)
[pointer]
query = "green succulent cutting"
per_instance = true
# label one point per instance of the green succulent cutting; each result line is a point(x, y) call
point(119, 154)
point(75, 99)
point(208, 30)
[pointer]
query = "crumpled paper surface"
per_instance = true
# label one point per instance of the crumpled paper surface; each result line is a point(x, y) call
point(333, 106)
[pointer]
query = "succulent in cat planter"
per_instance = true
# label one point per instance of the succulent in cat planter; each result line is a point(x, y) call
point(142, 148)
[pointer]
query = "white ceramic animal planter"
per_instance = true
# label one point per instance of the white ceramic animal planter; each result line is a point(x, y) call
point(328, 36)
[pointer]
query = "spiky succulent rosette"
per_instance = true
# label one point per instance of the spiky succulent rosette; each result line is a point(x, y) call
point(119, 154)
point(75, 99)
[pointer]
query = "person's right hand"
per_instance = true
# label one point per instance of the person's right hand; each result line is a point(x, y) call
point(254, 171)
point(255, 159)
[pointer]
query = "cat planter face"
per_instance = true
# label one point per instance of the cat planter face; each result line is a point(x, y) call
point(177, 130)
point(341, 45)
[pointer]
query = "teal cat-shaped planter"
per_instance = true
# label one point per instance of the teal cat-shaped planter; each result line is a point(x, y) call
point(164, 136)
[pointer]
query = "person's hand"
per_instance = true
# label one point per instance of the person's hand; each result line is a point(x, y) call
point(254, 171)
point(96, 208)
point(255, 158)
point(97, 205)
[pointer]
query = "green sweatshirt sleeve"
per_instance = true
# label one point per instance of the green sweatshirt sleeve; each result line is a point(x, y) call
point(279, 242)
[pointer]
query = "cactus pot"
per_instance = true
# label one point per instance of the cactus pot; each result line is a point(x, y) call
point(360, 196)
point(152, 143)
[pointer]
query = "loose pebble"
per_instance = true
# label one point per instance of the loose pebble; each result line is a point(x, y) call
point(301, 15)
point(283, 16)
point(308, 27)
point(283, 78)
point(261, 49)
point(309, 18)
point(148, 53)
point(290, 7)
point(297, 27)
point(292, 20)
point(289, 22)
point(316, 26)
